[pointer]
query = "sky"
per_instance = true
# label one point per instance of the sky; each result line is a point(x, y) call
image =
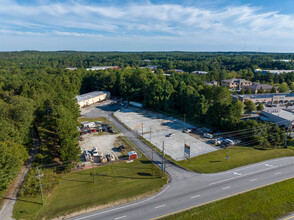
point(147, 25)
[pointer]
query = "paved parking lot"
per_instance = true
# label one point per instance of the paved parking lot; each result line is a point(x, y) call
point(160, 126)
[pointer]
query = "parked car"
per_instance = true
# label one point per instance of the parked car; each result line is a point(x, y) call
point(187, 130)
point(207, 135)
point(228, 141)
point(121, 148)
point(170, 135)
point(224, 145)
point(110, 157)
point(95, 152)
point(212, 141)
point(104, 128)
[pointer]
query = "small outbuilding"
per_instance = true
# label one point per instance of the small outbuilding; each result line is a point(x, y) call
point(132, 155)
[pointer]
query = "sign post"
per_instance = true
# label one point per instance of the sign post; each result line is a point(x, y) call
point(187, 151)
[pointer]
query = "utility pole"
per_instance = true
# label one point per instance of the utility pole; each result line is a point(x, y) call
point(150, 134)
point(93, 172)
point(162, 166)
point(286, 138)
point(40, 183)
point(142, 129)
point(152, 157)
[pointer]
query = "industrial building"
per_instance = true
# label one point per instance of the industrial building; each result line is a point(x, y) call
point(281, 117)
point(269, 99)
point(92, 97)
point(273, 71)
point(198, 72)
point(101, 68)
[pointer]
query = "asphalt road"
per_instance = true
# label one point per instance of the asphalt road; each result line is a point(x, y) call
point(188, 189)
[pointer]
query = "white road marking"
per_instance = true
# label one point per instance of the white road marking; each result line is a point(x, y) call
point(227, 187)
point(159, 206)
point(251, 166)
point(122, 207)
point(240, 176)
point(268, 165)
point(195, 196)
point(278, 173)
point(252, 180)
point(120, 217)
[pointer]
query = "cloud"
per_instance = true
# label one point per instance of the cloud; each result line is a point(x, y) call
point(177, 21)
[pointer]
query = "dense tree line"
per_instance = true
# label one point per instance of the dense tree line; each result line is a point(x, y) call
point(43, 98)
point(180, 94)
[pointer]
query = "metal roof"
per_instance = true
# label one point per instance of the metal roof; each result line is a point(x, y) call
point(90, 95)
point(266, 95)
point(287, 115)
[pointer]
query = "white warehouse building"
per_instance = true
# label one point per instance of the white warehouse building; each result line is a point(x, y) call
point(92, 97)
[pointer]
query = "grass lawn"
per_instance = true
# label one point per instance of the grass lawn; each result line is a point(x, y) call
point(118, 182)
point(270, 202)
point(238, 156)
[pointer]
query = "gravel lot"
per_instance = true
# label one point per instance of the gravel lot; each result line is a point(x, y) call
point(160, 127)
point(104, 143)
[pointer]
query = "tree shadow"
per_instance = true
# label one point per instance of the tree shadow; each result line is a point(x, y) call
point(22, 200)
point(128, 177)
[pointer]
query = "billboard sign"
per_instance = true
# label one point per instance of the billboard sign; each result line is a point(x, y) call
point(187, 151)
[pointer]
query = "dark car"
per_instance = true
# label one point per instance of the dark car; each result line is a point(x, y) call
point(121, 148)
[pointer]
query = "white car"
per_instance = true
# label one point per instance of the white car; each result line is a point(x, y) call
point(95, 152)
point(187, 130)
point(170, 135)
point(207, 135)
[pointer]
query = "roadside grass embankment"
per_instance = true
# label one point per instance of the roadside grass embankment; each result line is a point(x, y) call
point(237, 156)
point(114, 184)
point(270, 202)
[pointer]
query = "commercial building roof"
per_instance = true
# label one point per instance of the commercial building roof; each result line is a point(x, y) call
point(265, 95)
point(199, 72)
point(90, 95)
point(286, 115)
